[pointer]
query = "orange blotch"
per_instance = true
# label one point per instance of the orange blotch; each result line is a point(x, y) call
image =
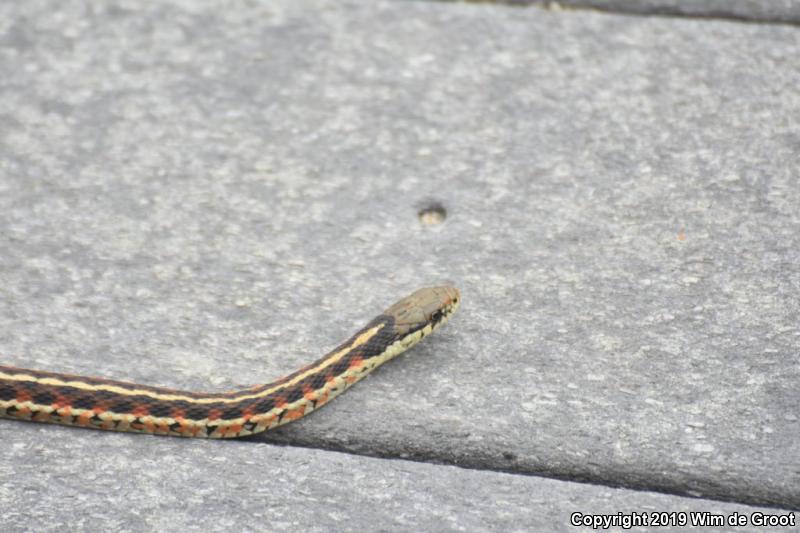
point(22, 412)
point(294, 414)
point(188, 428)
point(280, 402)
point(84, 419)
point(230, 430)
point(214, 414)
point(309, 393)
point(145, 425)
point(61, 402)
point(356, 362)
point(23, 396)
point(140, 410)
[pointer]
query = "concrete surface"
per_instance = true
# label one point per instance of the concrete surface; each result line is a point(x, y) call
point(177, 485)
point(205, 198)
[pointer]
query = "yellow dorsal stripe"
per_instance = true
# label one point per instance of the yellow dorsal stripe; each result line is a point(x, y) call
point(120, 389)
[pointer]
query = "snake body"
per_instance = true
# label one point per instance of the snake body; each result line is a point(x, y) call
point(117, 405)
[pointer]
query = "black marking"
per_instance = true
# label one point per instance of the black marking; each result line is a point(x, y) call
point(122, 405)
point(84, 401)
point(44, 397)
point(264, 406)
point(294, 394)
point(65, 391)
point(231, 413)
point(7, 393)
point(341, 366)
point(382, 339)
point(160, 409)
point(317, 381)
point(199, 412)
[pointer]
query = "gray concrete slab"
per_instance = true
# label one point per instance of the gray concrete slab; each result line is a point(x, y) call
point(779, 11)
point(178, 485)
point(204, 198)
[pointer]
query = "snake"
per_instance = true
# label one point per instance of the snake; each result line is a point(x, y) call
point(91, 402)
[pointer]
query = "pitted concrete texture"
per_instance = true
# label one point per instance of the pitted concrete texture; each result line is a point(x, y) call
point(206, 198)
point(204, 486)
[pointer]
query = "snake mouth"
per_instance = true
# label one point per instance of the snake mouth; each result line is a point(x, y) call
point(440, 316)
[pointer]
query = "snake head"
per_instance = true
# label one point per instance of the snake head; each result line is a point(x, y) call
point(423, 311)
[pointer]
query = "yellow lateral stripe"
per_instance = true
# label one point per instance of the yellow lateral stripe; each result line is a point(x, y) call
point(331, 359)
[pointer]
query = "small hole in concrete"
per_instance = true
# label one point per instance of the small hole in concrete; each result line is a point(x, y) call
point(432, 214)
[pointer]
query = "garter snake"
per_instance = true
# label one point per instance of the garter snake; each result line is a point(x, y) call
point(116, 405)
